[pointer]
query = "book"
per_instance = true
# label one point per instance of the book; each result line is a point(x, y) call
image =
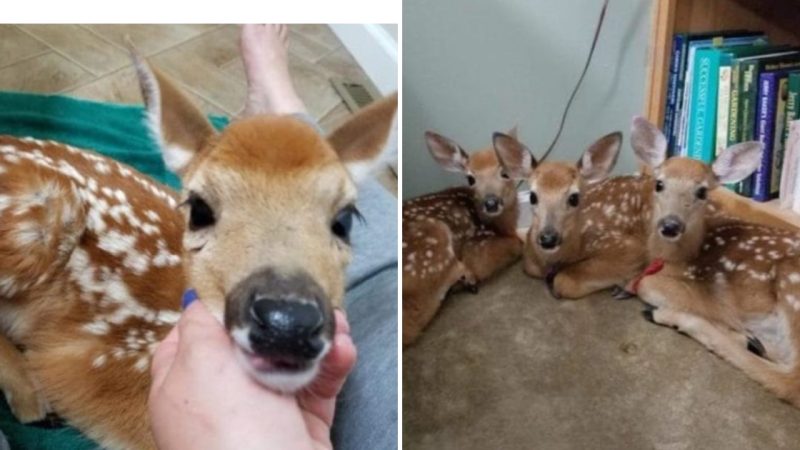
point(729, 98)
point(672, 89)
point(789, 166)
point(748, 72)
point(707, 96)
point(765, 133)
point(685, 75)
point(782, 97)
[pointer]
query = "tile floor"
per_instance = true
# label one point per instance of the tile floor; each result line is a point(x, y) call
point(91, 61)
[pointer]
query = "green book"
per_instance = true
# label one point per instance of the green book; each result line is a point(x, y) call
point(778, 142)
point(728, 115)
point(725, 119)
point(713, 66)
point(748, 70)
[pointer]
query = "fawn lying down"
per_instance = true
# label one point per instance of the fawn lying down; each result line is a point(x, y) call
point(463, 234)
point(732, 285)
point(95, 256)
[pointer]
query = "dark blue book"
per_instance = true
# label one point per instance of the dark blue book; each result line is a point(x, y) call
point(672, 91)
point(765, 133)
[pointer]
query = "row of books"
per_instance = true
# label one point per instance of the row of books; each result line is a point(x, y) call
point(733, 86)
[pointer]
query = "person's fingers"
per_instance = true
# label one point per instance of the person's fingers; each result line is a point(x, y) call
point(335, 367)
point(197, 324)
point(342, 326)
point(163, 357)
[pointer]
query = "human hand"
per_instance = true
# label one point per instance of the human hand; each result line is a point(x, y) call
point(202, 398)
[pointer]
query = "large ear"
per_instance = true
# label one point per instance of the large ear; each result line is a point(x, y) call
point(513, 131)
point(447, 153)
point(514, 156)
point(368, 140)
point(648, 142)
point(600, 158)
point(177, 125)
point(738, 161)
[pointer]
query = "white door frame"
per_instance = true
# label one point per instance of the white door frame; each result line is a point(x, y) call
point(374, 49)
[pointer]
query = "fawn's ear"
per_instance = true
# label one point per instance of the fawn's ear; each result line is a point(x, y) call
point(600, 158)
point(513, 132)
point(368, 140)
point(447, 153)
point(514, 156)
point(178, 126)
point(648, 142)
point(738, 161)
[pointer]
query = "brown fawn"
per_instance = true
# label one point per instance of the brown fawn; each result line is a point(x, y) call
point(732, 285)
point(576, 231)
point(95, 256)
point(462, 234)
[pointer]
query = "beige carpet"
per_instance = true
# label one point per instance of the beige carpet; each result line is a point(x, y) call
point(512, 368)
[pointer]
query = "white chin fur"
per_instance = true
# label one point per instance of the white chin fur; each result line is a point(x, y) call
point(286, 382)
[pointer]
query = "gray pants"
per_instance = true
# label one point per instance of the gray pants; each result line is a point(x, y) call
point(366, 410)
point(366, 415)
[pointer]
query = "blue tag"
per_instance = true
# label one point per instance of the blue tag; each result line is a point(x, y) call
point(188, 297)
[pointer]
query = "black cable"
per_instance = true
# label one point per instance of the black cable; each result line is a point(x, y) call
point(580, 80)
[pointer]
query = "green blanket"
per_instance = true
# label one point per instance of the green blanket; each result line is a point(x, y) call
point(114, 130)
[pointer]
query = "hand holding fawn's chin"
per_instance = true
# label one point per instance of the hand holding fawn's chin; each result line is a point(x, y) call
point(200, 392)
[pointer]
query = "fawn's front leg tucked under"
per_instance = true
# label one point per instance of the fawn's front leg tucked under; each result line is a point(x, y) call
point(611, 267)
point(26, 403)
point(485, 256)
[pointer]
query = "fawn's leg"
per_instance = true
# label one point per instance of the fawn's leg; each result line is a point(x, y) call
point(530, 264)
point(21, 394)
point(778, 378)
point(420, 307)
point(613, 266)
point(671, 290)
point(484, 256)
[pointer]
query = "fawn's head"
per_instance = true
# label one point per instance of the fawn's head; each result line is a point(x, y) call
point(493, 189)
point(556, 188)
point(268, 205)
point(681, 185)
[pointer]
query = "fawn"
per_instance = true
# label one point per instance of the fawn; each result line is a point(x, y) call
point(462, 234)
point(576, 231)
point(95, 256)
point(733, 286)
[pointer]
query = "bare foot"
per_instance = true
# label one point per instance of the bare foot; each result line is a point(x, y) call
point(266, 64)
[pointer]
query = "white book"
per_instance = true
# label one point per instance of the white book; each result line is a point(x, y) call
point(789, 185)
point(723, 102)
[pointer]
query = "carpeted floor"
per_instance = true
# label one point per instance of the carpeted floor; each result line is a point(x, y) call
point(513, 368)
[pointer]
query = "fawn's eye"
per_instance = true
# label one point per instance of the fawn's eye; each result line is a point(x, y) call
point(659, 185)
point(200, 214)
point(701, 193)
point(534, 198)
point(470, 180)
point(343, 222)
point(574, 199)
point(504, 175)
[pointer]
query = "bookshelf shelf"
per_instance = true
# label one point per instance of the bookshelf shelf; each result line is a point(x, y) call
point(778, 18)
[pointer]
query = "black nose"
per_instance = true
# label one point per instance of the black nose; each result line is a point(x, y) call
point(287, 327)
point(670, 227)
point(549, 239)
point(492, 203)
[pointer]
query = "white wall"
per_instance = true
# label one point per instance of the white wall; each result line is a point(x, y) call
point(474, 67)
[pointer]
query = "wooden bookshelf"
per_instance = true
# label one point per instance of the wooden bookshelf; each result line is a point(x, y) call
point(780, 19)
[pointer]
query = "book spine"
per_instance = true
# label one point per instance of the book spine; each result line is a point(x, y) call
point(781, 95)
point(703, 106)
point(764, 133)
point(748, 91)
point(723, 103)
point(672, 89)
point(733, 117)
